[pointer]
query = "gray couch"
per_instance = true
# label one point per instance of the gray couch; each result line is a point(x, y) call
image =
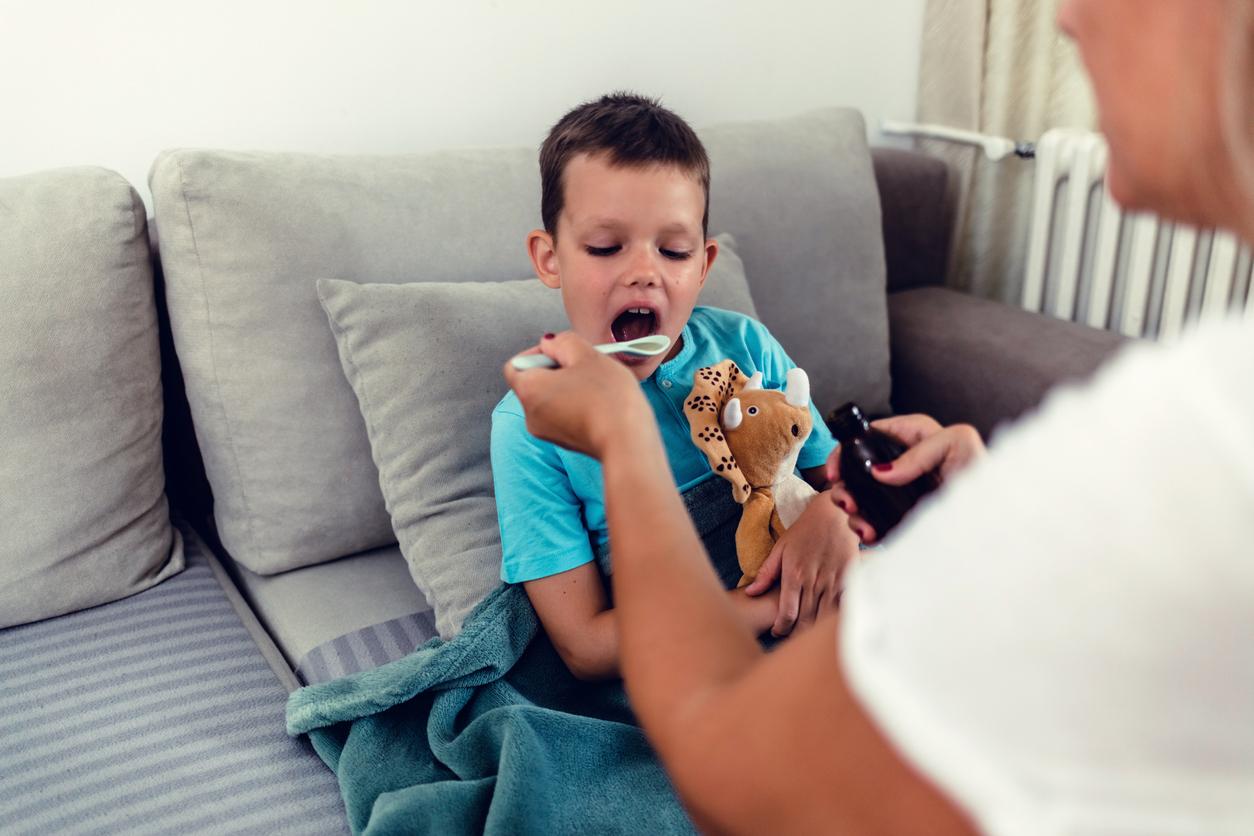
point(132, 650)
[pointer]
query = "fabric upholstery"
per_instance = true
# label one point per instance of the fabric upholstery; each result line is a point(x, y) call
point(153, 715)
point(368, 648)
point(425, 361)
point(243, 237)
point(310, 606)
point(918, 200)
point(963, 359)
point(83, 512)
point(800, 197)
point(185, 481)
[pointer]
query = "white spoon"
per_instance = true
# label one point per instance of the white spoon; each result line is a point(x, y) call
point(649, 346)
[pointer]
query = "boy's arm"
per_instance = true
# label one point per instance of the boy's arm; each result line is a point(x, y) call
point(574, 608)
point(545, 547)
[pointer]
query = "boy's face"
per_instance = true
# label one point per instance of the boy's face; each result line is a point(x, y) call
point(630, 255)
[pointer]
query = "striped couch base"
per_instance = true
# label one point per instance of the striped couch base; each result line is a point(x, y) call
point(154, 714)
point(367, 648)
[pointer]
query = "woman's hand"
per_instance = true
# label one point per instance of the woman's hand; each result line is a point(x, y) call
point(587, 403)
point(933, 448)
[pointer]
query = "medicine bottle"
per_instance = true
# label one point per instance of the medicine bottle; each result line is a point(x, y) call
point(862, 447)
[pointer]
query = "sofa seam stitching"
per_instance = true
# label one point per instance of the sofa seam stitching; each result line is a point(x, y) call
point(213, 360)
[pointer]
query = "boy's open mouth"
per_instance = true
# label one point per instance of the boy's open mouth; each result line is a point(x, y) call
point(633, 323)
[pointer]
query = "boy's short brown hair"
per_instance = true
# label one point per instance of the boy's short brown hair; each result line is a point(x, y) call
point(631, 130)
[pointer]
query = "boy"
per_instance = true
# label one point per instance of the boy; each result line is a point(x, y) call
point(625, 207)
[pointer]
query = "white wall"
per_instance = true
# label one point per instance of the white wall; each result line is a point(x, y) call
point(113, 83)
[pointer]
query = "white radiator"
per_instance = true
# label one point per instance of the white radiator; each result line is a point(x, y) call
point(1091, 262)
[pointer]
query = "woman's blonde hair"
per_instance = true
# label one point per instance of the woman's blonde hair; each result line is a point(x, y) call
point(1238, 93)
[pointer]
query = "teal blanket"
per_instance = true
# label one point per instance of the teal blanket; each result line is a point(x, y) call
point(489, 733)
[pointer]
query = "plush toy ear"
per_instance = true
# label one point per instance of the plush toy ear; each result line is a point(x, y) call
point(732, 416)
point(713, 388)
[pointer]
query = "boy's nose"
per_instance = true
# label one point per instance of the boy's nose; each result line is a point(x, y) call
point(642, 271)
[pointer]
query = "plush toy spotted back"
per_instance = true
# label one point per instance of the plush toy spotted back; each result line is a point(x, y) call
point(751, 437)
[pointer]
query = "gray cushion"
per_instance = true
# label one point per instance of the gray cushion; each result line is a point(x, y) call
point(425, 361)
point(244, 235)
point(157, 714)
point(977, 361)
point(306, 607)
point(83, 513)
point(799, 194)
point(918, 201)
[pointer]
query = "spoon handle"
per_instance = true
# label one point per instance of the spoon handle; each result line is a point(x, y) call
point(522, 362)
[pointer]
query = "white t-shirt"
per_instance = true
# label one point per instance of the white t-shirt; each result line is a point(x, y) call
point(1063, 638)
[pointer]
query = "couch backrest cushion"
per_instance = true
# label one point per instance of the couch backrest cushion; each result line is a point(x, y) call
point(799, 196)
point(83, 512)
point(244, 236)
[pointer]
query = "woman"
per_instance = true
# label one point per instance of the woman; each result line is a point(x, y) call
point(1059, 642)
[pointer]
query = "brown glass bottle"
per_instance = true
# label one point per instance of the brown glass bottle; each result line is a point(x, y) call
point(861, 447)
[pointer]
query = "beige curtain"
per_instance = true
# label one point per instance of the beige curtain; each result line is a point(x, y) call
point(999, 67)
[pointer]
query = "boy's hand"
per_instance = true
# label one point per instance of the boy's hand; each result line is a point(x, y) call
point(757, 612)
point(587, 403)
point(808, 559)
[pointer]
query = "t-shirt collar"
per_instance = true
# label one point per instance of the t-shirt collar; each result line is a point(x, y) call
point(686, 352)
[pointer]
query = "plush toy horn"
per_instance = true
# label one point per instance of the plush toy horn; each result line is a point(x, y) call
point(732, 416)
point(754, 382)
point(797, 388)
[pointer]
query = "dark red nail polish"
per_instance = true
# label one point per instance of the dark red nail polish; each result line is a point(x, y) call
point(549, 336)
point(883, 467)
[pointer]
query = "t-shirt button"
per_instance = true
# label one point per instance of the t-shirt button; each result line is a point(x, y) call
point(666, 384)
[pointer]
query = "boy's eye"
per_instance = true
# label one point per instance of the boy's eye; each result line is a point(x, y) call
point(603, 250)
point(675, 255)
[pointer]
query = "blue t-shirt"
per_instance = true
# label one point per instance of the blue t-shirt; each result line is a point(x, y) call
point(550, 502)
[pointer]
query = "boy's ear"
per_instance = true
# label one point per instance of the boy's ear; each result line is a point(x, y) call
point(543, 251)
point(711, 253)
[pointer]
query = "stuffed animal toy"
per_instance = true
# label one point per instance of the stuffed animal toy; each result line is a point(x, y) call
point(751, 437)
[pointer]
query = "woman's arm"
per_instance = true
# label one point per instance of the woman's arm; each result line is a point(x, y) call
point(754, 743)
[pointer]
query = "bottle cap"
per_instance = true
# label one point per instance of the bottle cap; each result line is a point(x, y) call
point(848, 422)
